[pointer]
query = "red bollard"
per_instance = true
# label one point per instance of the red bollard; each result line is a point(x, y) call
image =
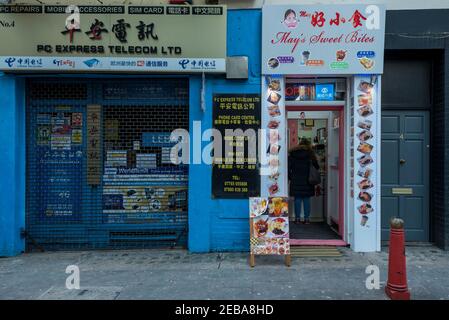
point(396, 288)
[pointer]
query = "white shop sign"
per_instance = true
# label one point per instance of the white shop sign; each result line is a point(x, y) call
point(323, 39)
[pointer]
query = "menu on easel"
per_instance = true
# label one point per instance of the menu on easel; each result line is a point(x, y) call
point(269, 227)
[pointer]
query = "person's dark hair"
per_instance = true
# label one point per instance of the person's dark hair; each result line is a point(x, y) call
point(306, 145)
point(288, 12)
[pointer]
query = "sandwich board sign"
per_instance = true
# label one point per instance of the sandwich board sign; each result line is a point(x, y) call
point(269, 227)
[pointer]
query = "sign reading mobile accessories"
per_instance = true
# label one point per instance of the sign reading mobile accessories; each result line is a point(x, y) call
point(323, 39)
point(113, 38)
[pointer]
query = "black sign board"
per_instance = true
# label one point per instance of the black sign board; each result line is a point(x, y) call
point(235, 172)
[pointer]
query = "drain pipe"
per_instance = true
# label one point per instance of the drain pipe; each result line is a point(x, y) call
point(203, 92)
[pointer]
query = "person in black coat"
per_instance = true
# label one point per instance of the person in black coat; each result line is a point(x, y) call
point(299, 161)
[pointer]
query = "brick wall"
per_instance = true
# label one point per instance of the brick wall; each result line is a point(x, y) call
point(439, 142)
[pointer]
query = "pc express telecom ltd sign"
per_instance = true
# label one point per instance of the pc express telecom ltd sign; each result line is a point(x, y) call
point(113, 38)
point(323, 39)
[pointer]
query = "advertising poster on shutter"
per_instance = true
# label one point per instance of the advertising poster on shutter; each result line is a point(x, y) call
point(125, 203)
point(60, 159)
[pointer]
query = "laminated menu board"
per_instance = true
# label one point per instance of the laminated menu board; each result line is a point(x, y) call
point(269, 227)
point(235, 173)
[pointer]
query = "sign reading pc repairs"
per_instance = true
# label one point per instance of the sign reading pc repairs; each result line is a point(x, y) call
point(113, 38)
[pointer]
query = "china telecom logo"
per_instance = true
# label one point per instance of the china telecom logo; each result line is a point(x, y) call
point(183, 63)
point(10, 61)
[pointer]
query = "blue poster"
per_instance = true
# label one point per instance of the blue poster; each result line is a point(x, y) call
point(57, 188)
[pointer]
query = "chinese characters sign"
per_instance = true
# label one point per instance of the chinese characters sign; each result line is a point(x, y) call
point(113, 38)
point(234, 171)
point(323, 39)
point(93, 144)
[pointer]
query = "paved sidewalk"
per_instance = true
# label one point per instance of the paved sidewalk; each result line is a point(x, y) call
point(177, 274)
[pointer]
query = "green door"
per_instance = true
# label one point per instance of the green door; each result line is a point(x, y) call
point(405, 172)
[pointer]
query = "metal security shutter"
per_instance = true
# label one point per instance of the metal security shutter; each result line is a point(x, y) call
point(98, 168)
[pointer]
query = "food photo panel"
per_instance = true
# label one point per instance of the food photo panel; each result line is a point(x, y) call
point(364, 135)
point(257, 206)
point(260, 226)
point(365, 124)
point(278, 207)
point(365, 111)
point(365, 196)
point(273, 149)
point(365, 184)
point(278, 227)
point(274, 97)
point(274, 85)
point(365, 147)
point(274, 110)
point(365, 208)
point(365, 99)
point(365, 160)
point(365, 172)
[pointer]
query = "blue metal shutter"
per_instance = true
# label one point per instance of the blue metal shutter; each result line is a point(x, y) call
point(140, 199)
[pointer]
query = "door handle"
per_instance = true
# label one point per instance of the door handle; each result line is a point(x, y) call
point(402, 161)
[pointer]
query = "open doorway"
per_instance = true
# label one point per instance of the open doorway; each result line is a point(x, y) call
point(322, 129)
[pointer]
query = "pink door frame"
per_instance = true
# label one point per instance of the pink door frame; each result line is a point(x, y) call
point(341, 176)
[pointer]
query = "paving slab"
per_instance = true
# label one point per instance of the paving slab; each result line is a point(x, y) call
point(179, 275)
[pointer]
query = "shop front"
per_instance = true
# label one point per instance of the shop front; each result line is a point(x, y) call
point(312, 73)
point(321, 75)
point(94, 93)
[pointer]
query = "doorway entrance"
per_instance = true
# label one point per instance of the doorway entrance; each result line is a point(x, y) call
point(405, 172)
point(322, 128)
